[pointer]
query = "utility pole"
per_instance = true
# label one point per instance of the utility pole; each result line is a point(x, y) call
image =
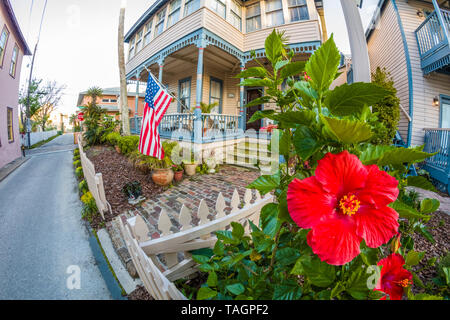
point(30, 80)
point(358, 42)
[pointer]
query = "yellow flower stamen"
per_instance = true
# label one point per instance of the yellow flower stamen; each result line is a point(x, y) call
point(404, 283)
point(349, 205)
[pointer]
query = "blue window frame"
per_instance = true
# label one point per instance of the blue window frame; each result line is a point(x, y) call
point(184, 92)
point(445, 111)
point(216, 94)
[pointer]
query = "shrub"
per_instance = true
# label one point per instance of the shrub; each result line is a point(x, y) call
point(83, 187)
point(76, 157)
point(89, 207)
point(113, 138)
point(77, 163)
point(387, 110)
point(128, 144)
point(79, 173)
point(154, 163)
point(76, 152)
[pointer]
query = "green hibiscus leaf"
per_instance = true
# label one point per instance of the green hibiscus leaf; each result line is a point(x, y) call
point(266, 183)
point(413, 257)
point(286, 256)
point(238, 230)
point(292, 118)
point(350, 99)
point(372, 153)
point(212, 280)
point(323, 65)
point(292, 69)
point(205, 293)
point(219, 248)
point(348, 131)
point(288, 290)
point(258, 115)
point(200, 259)
point(357, 284)
point(236, 289)
point(253, 82)
point(420, 182)
point(305, 142)
point(397, 156)
point(429, 205)
point(274, 47)
point(321, 274)
point(255, 72)
point(406, 211)
point(227, 237)
point(281, 64)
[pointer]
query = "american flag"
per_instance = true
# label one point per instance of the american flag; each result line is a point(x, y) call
point(157, 100)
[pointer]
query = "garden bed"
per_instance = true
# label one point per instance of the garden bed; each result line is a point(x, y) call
point(117, 171)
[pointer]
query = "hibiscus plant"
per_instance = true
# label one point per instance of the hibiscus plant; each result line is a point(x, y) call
point(338, 228)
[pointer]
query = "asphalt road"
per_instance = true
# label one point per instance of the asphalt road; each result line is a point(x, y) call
point(42, 236)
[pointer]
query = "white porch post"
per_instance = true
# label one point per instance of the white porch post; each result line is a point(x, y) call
point(358, 43)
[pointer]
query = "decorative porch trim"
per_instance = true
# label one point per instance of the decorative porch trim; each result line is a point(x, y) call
point(203, 38)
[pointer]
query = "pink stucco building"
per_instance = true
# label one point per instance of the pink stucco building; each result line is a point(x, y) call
point(12, 49)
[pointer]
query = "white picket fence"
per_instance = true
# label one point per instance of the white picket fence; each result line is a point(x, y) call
point(36, 137)
point(94, 181)
point(157, 260)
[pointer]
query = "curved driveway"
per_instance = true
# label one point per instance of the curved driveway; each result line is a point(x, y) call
point(41, 231)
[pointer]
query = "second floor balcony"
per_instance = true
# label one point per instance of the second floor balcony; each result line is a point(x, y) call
point(433, 40)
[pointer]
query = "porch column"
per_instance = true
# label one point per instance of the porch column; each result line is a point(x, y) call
point(136, 109)
point(358, 42)
point(198, 134)
point(161, 69)
point(242, 102)
point(441, 19)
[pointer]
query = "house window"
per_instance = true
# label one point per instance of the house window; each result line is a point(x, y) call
point(191, 6)
point(253, 17)
point(274, 13)
point(160, 22)
point(235, 17)
point(131, 52)
point(148, 33)
point(139, 41)
point(298, 10)
point(3, 41)
point(215, 95)
point(445, 112)
point(9, 118)
point(218, 6)
point(174, 13)
point(184, 92)
point(13, 67)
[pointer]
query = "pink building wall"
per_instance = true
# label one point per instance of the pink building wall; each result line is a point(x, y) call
point(9, 86)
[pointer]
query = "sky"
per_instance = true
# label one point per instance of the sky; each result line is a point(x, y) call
point(78, 43)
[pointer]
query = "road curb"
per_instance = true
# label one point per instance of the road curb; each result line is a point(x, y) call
point(11, 167)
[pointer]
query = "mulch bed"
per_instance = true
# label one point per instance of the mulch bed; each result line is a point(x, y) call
point(439, 228)
point(117, 171)
point(140, 294)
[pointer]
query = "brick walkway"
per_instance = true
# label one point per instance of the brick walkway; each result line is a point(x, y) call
point(189, 192)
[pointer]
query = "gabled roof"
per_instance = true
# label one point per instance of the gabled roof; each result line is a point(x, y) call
point(16, 27)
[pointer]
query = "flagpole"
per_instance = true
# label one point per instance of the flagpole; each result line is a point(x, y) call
point(163, 86)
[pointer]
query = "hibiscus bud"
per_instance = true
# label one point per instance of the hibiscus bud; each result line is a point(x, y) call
point(395, 243)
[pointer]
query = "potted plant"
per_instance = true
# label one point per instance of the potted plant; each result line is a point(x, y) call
point(190, 166)
point(178, 169)
point(162, 173)
point(133, 191)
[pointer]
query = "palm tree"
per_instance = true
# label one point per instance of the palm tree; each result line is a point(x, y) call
point(206, 109)
point(123, 103)
point(93, 115)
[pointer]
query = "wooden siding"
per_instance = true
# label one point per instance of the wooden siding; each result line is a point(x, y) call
point(219, 26)
point(425, 87)
point(297, 32)
point(386, 50)
point(177, 31)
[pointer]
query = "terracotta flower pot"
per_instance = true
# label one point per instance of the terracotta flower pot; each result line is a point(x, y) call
point(162, 177)
point(190, 169)
point(178, 176)
point(117, 149)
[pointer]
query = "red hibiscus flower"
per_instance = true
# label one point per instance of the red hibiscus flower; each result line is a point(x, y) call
point(394, 278)
point(343, 204)
point(270, 128)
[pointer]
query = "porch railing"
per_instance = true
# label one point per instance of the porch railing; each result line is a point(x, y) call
point(438, 140)
point(179, 126)
point(433, 40)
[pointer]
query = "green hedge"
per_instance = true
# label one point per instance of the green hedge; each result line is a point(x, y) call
point(128, 144)
point(113, 138)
